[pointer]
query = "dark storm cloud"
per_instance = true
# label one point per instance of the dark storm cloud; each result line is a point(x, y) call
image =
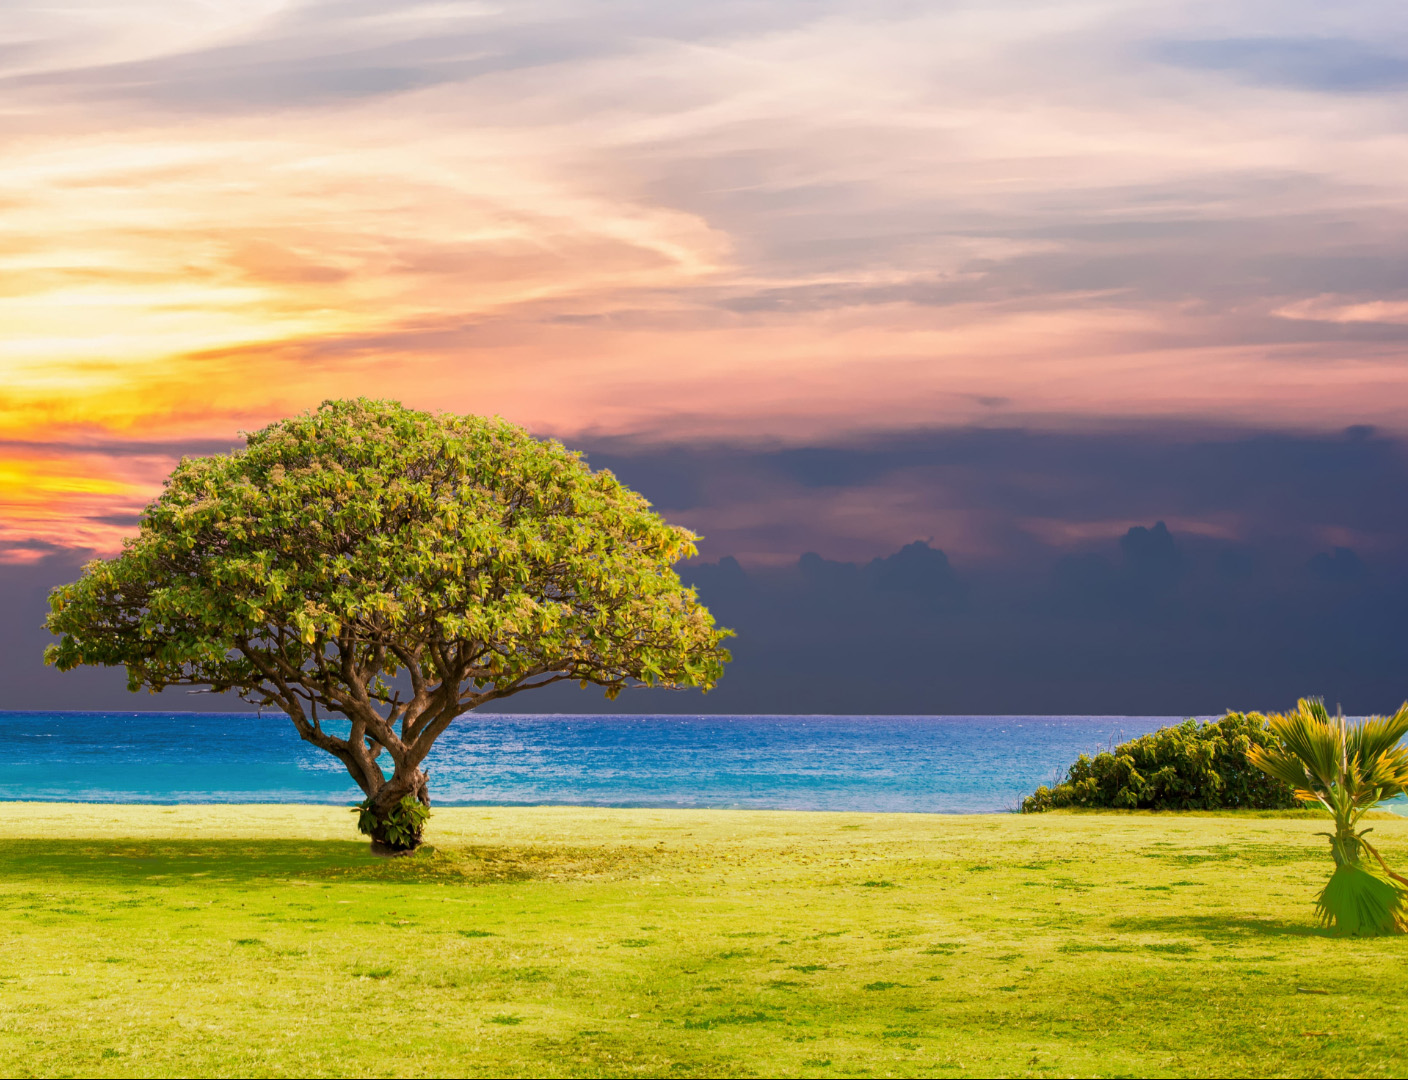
point(1151, 622)
point(1153, 571)
point(24, 591)
point(1277, 489)
point(1145, 618)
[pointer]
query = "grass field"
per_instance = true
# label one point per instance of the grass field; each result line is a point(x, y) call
point(266, 940)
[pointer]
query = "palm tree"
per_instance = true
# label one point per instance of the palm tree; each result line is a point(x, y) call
point(1347, 768)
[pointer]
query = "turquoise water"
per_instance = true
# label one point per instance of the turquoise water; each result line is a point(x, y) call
point(943, 764)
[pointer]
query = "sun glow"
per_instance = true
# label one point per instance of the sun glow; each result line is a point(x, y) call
point(213, 218)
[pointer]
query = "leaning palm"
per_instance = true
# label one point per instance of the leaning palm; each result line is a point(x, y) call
point(1347, 768)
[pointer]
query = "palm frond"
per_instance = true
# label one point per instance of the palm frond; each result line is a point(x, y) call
point(1356, 901)
point(1315, 708)
point(1282, 766)
point(1379, 734)
point(1385, 762)
point(1347, 768)
point(1310, 735)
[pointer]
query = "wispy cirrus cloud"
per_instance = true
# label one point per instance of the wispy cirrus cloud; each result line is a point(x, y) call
point(804, 221)
point(1318, 64)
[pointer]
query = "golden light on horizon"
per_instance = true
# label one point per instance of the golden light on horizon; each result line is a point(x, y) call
point(210, 218)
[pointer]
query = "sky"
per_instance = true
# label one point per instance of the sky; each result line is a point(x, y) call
point(1014, 282)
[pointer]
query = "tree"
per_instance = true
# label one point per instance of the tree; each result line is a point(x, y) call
point(396, 569)
point(1346, 768)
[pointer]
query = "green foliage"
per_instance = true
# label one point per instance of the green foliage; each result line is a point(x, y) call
point(400, 828)
point(1359, 902)
point(1347, 768)
point(1189, 766)
point(464, 541)
point(364, 541)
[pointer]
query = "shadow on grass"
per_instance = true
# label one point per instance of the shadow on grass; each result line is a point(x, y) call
point(1255, 854)
point(233, 861)
point(1218, 928)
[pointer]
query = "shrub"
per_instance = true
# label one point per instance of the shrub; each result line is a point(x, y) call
point(1189, 766)
point(400, 829)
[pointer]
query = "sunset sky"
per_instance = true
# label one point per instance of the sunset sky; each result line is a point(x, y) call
point(726, 233)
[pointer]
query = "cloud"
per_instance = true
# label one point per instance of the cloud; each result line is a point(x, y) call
point(748, 225)
point(328, 54)
point(1151, 570)
point(1339, 565)
point(1326, 65)
point(1008, 495)
point(283, 72)
point(105, 446)
point(1152, 622)
point(916, 575)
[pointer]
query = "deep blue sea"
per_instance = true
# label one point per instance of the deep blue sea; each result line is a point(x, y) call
point(933, 764)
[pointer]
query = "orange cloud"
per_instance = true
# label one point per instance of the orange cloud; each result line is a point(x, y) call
point(785, 226)
point(65, 500)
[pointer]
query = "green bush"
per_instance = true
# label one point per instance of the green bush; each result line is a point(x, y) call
point(1190, 766)
point(401, 828)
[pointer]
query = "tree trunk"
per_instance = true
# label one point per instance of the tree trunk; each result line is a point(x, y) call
point(391, 832)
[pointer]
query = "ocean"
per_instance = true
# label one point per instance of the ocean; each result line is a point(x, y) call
point(927, 764)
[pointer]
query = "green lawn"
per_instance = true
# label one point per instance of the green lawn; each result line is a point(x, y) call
point(566, 942)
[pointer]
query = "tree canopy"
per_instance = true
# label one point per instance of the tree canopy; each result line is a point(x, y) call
point(398, 568)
